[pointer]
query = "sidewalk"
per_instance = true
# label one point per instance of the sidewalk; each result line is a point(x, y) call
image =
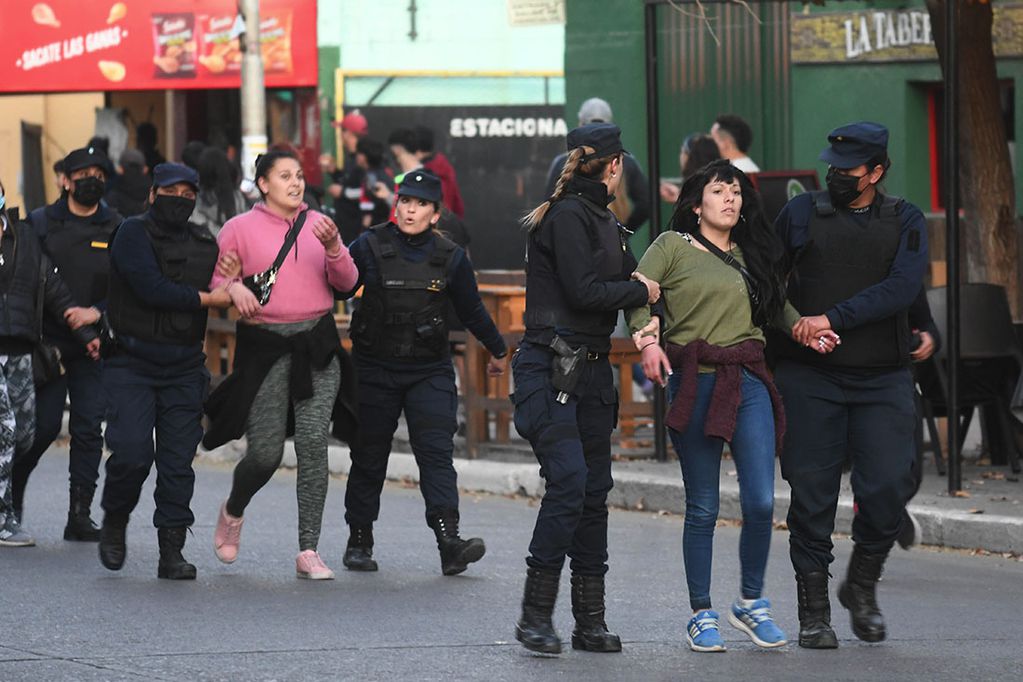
point(988, 517)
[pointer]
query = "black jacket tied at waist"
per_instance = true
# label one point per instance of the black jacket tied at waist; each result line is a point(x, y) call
point(727, 395)
point(257, 350)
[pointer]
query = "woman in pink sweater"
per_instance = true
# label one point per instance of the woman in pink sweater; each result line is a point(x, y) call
point(288, 347)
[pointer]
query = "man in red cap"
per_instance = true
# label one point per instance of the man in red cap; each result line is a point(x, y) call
point(346, 188)
point(353, 127)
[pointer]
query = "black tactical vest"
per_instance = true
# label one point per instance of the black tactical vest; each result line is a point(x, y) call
point(404, 316)
point(190, 261)
point(842, 258)
point(80, 250)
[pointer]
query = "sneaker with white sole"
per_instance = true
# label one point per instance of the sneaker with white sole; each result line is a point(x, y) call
point(13, 535)
point(228, 535)
point(757, 623)
point(703, 632)
point(310, 566)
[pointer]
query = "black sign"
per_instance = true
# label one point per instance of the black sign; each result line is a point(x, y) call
point(501, 155)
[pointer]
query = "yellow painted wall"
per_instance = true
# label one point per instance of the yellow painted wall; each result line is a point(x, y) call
point(68, 121)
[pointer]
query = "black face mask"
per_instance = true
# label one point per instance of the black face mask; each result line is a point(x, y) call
point(88, 190)
point(842, 188)
point(172, 211)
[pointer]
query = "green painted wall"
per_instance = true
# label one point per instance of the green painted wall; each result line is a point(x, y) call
point(604, 57)
point(330, 59)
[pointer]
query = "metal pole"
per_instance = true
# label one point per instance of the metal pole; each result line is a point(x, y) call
point(253, 93)
point(955, 474)
point(654, 167)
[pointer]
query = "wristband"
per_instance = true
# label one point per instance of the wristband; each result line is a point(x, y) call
point(652, 343)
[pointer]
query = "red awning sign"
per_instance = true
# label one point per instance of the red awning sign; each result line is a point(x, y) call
point(70, 45)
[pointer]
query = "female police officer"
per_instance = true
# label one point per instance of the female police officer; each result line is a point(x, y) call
point(401, 351)
point(577, 279)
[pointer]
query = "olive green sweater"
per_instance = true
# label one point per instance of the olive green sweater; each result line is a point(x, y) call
point(704, 297)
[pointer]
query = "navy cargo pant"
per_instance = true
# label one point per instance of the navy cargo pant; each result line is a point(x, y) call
point(870, 416)
point(426, 393)
point(83, 383)
point(572, 442)
point(141, 397)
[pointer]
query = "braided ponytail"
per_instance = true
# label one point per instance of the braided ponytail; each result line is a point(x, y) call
point(533, 219)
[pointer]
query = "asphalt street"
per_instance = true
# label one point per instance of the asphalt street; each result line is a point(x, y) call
point(64, 617)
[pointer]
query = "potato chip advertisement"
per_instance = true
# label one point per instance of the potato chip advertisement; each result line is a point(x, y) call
point(71, 45)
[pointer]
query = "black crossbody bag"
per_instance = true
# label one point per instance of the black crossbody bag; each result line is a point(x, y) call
point(262, 283)
point(751, 285)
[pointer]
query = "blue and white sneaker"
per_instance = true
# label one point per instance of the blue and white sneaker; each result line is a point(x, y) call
point(703, 633)
point(756, 622)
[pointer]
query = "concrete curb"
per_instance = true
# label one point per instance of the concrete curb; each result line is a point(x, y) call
point(646, 492)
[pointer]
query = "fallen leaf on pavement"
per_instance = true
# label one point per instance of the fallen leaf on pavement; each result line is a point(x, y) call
point(976, 511)
point(961, 493)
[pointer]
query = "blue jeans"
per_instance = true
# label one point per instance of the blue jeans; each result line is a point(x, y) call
point(753, 452)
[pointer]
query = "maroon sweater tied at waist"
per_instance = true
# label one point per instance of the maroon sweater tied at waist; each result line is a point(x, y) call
point(727, 395)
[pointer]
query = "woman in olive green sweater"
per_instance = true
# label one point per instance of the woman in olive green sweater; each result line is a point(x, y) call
point(721, 271)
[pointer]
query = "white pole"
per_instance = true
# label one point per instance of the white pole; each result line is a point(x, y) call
point(253, 92)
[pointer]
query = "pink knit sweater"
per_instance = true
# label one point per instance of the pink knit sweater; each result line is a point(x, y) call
point(303, 287)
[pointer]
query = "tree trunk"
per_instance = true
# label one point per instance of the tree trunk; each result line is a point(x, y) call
point(985, 170)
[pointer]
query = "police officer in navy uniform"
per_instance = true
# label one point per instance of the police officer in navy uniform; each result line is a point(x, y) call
point(74, 231)
point(859, 260)
point(577, 279)
point(155, 376)
point(409, 273)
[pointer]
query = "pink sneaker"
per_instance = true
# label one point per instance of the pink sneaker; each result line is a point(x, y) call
point(310, 566)
point(228, 535)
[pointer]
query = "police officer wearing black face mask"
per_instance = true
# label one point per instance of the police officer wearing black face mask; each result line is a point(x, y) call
point(75, 232)
point(859, 260)
point(154, 375)
point(577, 279)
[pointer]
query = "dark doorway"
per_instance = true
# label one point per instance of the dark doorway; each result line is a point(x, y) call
point(33, 183)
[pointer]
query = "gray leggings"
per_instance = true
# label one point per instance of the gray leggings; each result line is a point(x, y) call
point(267, 429)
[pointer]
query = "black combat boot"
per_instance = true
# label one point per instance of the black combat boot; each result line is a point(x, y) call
point(535, 629)
point(112, 549)
point(455, 553)
point(815, 611)
point(80, 527)
point(859, 594)
point(590, 633)
point(172, 565)
point(359, 553)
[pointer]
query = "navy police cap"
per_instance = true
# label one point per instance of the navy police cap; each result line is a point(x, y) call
point(421, 184)
point(604, 138)
point(86, 157)
point(167, 174)
point(855, 144)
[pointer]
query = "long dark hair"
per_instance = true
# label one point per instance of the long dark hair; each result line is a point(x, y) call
point(762, 250)
point(215, 176)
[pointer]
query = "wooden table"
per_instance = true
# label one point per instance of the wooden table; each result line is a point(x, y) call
point(487, 396)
